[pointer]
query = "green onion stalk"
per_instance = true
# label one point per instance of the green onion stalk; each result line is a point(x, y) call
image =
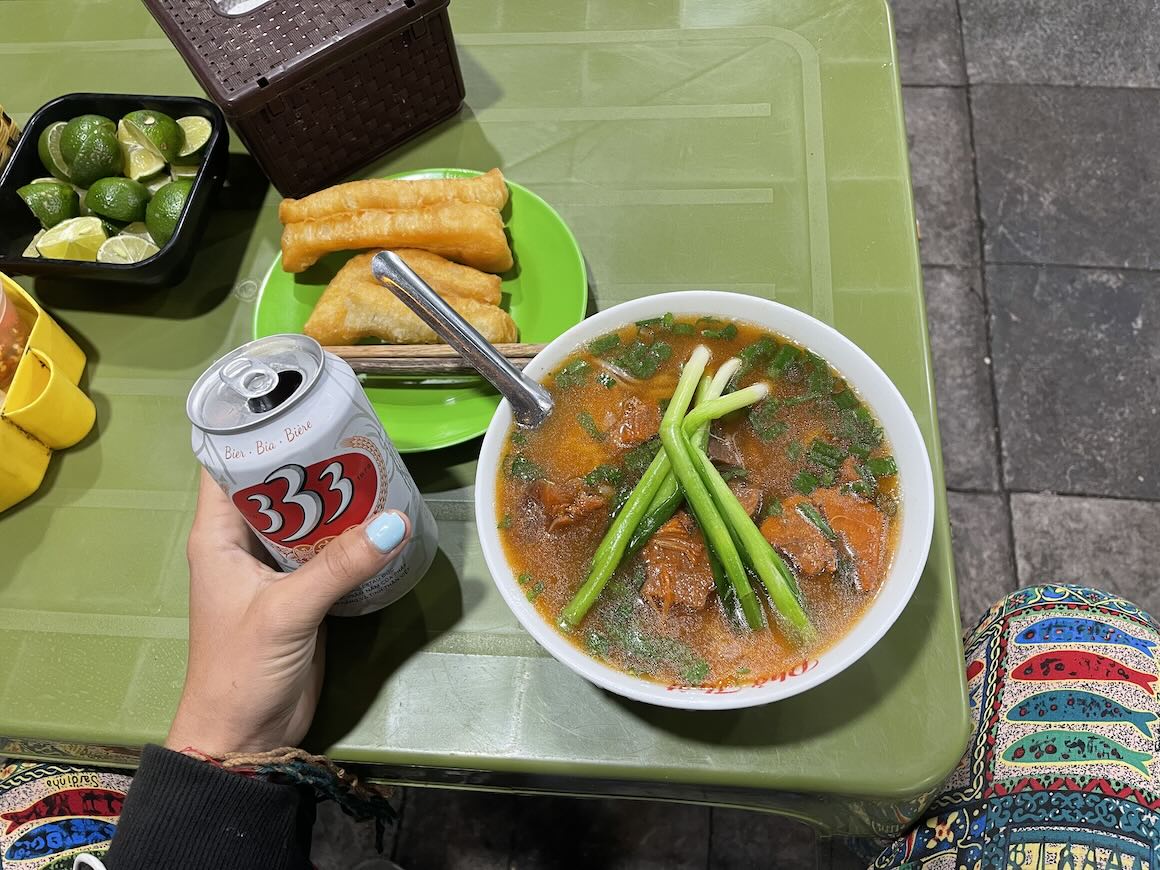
point(713, 527)
point(669, 496)
point(699, 418)
point(720, 582)
point(774, 574)
point(611, 550)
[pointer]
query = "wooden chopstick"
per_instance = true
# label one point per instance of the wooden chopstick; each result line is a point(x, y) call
point(424, 351)
point(420, 367)
point(416, 360)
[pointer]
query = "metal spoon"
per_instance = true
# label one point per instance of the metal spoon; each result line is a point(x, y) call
point(530, 402)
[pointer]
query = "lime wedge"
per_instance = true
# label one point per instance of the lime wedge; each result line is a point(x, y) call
point(118, 199)
point(126, 249)
point(31, 251)
point(178, 171)
point(140, 163)
point(48, 147)
point(111, 228)
point(124, 136)
point(138, 230)
point(78, 130)
point(154, 131)
point(77, 238)
point(98, 156)
point(164, 210)
point(51, 201)
point(155, 184)
point(197, 131)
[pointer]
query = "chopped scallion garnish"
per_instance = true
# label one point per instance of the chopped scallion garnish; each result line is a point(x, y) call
point(574, 374)
point(814, 517)
point(642, 360)
point(604, 473)
point(726, 333)
point(805, 482)
point(763, 419)
point(821, 378)
point(756, 353)
point(604, 343)
point(786, 355)
point(524, 469)
point(589, 425)
point(638, 459)
point(846, 399)
point(829, 455)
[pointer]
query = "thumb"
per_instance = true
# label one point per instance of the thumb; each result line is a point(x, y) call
point(349, 560)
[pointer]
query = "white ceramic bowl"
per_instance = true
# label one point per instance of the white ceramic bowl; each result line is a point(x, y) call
point(917, 513)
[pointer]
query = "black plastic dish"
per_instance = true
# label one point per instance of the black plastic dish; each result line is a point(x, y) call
point(167, 266)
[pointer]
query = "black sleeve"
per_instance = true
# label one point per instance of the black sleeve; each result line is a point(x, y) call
point(181, 812)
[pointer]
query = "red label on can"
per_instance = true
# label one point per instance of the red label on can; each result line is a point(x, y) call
point(300, 505)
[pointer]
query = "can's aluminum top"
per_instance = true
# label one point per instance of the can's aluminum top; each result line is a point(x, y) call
point(257, 381)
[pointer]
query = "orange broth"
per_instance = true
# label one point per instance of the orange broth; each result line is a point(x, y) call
point(680, 645)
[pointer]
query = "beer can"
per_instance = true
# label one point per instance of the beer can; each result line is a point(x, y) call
point(288, 434)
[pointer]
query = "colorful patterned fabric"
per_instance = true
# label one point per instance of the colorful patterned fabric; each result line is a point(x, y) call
point(1060, 770)
point(51, 813)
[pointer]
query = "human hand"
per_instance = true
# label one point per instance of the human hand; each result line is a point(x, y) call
point(256, 635)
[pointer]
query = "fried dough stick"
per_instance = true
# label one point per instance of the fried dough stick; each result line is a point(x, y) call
point(448, 279)
point(397, 195)
point(468, 233)
point(355, 306)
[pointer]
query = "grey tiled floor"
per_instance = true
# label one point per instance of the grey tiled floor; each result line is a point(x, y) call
point(1032, 128)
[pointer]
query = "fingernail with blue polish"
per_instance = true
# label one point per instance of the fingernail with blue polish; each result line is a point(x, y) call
point(387, 532)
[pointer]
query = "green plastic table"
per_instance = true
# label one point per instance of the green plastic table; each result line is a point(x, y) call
point(739, 145)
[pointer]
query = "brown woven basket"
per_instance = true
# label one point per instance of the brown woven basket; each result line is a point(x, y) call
point(317, 90)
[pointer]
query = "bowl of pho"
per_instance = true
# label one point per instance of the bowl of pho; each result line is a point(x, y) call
point(729, 504)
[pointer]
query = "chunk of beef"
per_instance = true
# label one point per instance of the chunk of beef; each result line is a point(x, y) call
point(677, 566)
point(636, 422)
point(749, 496)
point(723, 450)
point(862, 528)
point(565, 504)
point(800, 540)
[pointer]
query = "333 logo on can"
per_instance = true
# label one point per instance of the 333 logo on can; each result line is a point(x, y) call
point(300, 505)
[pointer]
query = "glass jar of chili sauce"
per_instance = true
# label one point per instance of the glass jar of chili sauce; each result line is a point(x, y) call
point(288, 434)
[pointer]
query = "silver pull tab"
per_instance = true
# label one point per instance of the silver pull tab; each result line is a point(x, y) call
point(249, 378)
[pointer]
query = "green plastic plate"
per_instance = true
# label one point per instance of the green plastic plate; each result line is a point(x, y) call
point(546, 293)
